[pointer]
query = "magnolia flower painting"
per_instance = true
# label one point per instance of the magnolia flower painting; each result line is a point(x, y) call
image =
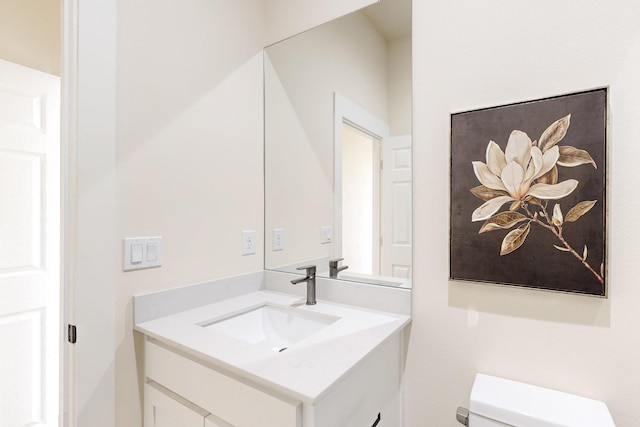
point(539, 195)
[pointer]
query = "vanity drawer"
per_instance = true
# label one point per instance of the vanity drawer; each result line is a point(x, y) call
point(231, 400)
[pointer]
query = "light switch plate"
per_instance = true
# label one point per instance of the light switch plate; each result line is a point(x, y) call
point(277, 240)
point(326, 234)
point(142, 252)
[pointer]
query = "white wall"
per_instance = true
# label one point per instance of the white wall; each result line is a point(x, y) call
point(30, 33)
point(285, 18)
point(470, 54)
point(189, 152)
point(91, 243)
point(400, 86)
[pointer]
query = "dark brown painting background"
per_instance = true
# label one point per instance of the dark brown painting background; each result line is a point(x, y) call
point(536, 263)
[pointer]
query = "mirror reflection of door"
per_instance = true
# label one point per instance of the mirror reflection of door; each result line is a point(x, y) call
point(396, 207)
point(376, 203)
point(360, 200)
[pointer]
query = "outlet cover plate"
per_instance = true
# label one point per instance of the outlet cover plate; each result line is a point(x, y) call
point(277, 240)
point(248, 242)
point(326, 234)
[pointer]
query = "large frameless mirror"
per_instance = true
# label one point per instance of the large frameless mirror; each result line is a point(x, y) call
point(338, 148)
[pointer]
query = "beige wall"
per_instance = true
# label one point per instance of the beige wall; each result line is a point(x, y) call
point(30, 33)
point(285, 18)
point(399, 114)
point(189, 152)
point(469, 55)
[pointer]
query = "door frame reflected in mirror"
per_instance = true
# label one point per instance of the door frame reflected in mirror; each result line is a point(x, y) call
point(348, 113)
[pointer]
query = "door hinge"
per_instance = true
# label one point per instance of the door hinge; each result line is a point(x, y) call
point(71, 333)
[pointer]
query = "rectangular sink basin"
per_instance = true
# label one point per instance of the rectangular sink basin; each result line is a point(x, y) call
point(273, 327)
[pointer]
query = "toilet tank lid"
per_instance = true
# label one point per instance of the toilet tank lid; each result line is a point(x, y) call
point(526, 405)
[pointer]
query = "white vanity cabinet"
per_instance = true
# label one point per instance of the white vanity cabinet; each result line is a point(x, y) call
point(347, 374)
point(163, 408)
point(166, 409)
point(194, 390)
point(180, 391)
point(212, 421)
point(369, 395)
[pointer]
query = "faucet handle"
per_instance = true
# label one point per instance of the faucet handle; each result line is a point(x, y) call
point(334, 262)
point(311, 269)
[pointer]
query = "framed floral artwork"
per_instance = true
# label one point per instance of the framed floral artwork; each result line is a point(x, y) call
point(528, 194)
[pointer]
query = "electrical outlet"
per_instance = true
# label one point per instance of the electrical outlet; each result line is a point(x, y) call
point(248, 242)
point(277, 242)
point(326, 234)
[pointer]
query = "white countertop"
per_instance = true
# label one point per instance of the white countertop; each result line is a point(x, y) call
point(306, 370)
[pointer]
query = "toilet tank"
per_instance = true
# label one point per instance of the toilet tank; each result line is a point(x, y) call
point(497, 402)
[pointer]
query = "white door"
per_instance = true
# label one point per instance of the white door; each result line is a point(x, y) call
point(29, 246)
point(395, 214)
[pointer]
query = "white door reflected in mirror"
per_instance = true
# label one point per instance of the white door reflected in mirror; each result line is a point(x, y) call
point(396, 210)
point(376, 203)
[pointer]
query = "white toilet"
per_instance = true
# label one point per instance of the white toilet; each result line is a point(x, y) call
point(497, 402)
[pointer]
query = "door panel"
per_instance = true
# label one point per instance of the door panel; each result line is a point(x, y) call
point(22, 110)
point(21, 401)
point(396, 207)
point(29, 246)
point(20, 211)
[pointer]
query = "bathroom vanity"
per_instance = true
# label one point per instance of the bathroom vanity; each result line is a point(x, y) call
point(265, 358)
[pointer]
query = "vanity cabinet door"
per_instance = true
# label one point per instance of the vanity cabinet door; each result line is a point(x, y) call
point(163, 408)
point(213, 421)
point(231, 400)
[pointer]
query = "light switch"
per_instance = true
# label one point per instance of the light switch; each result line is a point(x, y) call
point(152, 252)
point(136, 253)
point(142, 252)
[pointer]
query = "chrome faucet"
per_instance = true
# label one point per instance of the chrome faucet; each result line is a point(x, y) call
point(310, 278)
point(334, 269)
